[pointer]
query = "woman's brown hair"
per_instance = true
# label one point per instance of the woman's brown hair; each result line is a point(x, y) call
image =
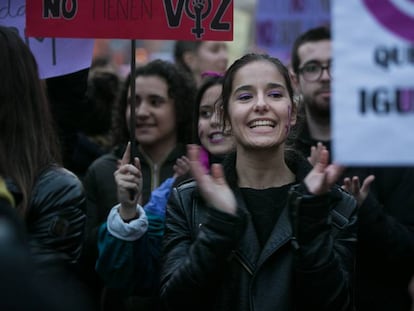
point(28, 141)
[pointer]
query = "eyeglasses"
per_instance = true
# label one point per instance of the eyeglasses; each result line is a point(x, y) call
point(313, 71)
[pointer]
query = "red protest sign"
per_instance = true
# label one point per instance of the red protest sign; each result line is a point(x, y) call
point(131, 19)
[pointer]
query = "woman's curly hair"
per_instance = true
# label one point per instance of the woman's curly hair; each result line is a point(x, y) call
point(180, 88)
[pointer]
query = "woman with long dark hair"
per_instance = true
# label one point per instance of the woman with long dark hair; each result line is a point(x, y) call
point(49, 199)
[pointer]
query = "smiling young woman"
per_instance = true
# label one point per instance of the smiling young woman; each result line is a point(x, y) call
point(256, 233)
point(164, 99)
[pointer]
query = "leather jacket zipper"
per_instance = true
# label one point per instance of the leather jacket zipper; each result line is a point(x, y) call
point(240, 260)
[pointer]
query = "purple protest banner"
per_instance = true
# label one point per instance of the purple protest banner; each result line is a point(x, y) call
point(279, 22)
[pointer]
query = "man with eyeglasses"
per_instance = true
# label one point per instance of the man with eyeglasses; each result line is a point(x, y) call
point(311, 61)
point(385, 250)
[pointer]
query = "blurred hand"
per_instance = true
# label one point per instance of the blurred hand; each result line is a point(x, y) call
point(323, 175)
point(353, 186)
point(315, 153)
point(181, 166)
point(213, 187)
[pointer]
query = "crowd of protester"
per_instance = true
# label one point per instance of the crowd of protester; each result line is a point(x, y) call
point(221, 197)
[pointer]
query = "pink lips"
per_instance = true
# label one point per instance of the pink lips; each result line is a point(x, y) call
point(216, 137)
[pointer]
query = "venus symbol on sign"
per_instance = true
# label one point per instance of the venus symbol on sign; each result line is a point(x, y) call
point(201, 9)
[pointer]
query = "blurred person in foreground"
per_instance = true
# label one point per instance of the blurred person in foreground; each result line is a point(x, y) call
point(51, 201)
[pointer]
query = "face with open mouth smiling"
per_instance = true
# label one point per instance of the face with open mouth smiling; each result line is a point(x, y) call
point(260, 107)
point(154, 112)
point(210, 128)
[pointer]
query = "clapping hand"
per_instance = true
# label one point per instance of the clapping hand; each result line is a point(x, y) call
point(315, 153)
point(354, 187)
point(181, 166)
point(323, 175)
point(213, 187)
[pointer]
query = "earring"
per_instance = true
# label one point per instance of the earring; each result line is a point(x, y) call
point(297, 98)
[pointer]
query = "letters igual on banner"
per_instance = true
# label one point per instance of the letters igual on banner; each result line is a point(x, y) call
point(373, 103)
point(131, 19)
